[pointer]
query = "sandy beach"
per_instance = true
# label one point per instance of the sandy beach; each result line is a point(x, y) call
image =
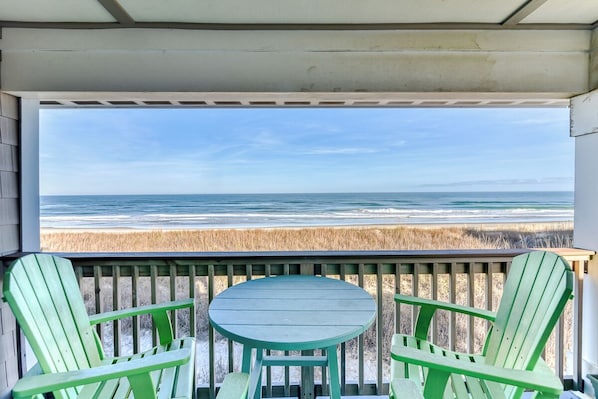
point(380, 237)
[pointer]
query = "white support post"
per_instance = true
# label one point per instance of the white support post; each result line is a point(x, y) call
point(584, 128)
point(30, 225)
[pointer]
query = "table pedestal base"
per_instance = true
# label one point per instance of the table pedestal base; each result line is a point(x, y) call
point(329, 360)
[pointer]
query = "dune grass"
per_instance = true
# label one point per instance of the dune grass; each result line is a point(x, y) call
point(405, 237)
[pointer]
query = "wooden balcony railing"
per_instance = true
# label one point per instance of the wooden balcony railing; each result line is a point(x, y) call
point(474, 278)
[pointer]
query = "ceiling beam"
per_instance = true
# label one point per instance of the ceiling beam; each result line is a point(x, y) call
point(293, 26)
point(117, 11)
point(253, 61)
point(522, 12)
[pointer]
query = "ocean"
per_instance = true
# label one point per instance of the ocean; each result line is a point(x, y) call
point(203, 211)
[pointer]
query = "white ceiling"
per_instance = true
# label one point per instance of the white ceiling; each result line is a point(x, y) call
point(506, 13)
point(322, 11)
point(555, 11)
point(54, 11)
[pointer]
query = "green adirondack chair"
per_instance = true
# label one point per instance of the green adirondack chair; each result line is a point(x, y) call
point(43, 293)
point(537, 289)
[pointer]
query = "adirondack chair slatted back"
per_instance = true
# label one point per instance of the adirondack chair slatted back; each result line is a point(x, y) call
point(535, 294)
point(43, 294)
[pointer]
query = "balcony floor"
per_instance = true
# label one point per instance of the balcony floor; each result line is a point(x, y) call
point(566, 395)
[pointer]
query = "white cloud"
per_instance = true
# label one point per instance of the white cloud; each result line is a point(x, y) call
point(505, 182)
point(341, 151)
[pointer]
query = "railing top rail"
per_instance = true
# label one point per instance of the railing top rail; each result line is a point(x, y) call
point(573, 253)
point(290, 254)
point(315, 256)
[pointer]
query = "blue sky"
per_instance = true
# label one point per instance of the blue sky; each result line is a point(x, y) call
point(164, 151)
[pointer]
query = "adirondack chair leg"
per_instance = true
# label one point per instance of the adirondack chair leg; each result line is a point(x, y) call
point(141, 385)
point(435, 386)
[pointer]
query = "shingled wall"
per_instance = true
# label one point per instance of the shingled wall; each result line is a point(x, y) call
point(9, 231)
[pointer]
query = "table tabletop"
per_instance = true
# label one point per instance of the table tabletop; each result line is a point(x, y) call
point(292, 312)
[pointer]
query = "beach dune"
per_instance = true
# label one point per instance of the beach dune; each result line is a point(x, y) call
point(403, 237)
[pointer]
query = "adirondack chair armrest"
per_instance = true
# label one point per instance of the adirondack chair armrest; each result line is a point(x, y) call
point(540, 380)
point(158, 311)
point(476, 312)
point(139, 310)
point(29, 386)
point(429, 306)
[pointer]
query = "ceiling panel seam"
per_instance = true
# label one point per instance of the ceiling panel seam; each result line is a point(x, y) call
point(117, 11)
point(523, 12)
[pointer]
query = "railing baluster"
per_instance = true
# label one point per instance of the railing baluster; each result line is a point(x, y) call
point(489, 287)
point(415, 292)
point(379, 329)
point(452, 299)
point(134, 303)
point(470, 303)
point(116, 306)
point(97, 282)
point(360, 340)
point(267, 270)
point(192, 326)
point(324, 273)
point(435, 297)
point(230, 347)
point(154, 298)
point(79, 274)
point(211, 340)
point(287, 369)
point(324, 378)
point(248, 271)
point(172, 280)
point(578, 267)
point(559, 347)
point(369, 271)
point(397, 291)
point(343, 346)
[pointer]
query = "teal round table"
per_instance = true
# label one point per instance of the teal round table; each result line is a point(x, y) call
point(292, 313)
